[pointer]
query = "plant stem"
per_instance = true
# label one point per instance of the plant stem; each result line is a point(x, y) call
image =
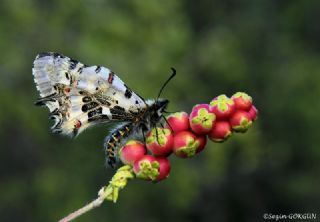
point(96, 203)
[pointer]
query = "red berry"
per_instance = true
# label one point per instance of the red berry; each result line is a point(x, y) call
point(132, 151)
point(242, 101)
point(222, 107)
point(202, 140)
point(240, 121)
point(253, 112)
point(220, 132)
point(201, 119)
point(186, 144)
point(147, 168)
point(164, 168)
point(159, 141)
point(178, 122)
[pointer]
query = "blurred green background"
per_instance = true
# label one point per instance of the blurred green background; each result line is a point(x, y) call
point(269, 49)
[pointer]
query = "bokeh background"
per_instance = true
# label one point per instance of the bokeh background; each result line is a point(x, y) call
point(269, 49)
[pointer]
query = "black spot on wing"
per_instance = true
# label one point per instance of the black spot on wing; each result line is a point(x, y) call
point(73, 64)
point(118, 112)
point(128, 92)
point(86, 99)
point(103, 101)
point(43, 54)
point(67, 75)
point(89, 106)
point(119, 108)
point(54, 112)
point(133, 112)
point(95, 112)
point(98, 117)
point(57, 131)
point(80, 70)
point(56, 55)
point(42, 101)
point(84, 108)
point(97, 70)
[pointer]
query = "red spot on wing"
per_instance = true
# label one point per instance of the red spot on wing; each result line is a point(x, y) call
point(67, 90)
point(77, 125)
point(110, 78)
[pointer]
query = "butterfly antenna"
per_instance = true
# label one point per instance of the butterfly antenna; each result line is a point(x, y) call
point(174, 72)
point(169, 112)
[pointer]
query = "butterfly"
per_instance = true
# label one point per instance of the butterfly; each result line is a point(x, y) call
point(80, 96)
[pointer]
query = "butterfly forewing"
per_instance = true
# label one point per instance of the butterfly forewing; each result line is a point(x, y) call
point(79, 96)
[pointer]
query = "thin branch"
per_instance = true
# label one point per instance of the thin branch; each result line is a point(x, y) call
point(96, 203)
point(110, 192)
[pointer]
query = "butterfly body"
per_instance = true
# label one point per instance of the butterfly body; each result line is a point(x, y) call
point(79, 96)
point(148, 119)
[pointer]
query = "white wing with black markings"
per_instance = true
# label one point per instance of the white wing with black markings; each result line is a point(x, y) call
point(79, 96)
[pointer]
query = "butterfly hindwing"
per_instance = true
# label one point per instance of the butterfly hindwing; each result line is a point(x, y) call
point(79, 96)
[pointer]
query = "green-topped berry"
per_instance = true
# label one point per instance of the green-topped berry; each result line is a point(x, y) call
point(201, 119)
point(132, 151)
point(178, 122)
point(242, 101)
point(253, 112)
point(186, 144)
point(240, 121)
point(159, 141)
point(220, 132)
point(164, 168)
point(222, 107)
point(147, 168)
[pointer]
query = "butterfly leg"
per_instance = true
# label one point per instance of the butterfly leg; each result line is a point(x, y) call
point(157, 134)
point(165, 119)
point(162, 126)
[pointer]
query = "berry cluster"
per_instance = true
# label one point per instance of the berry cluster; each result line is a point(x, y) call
point(186, 135)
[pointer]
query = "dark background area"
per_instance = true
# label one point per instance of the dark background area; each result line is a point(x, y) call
point(269, 49)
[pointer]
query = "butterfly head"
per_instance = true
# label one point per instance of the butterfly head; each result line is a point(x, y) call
point(157, 108)
point(161, 105)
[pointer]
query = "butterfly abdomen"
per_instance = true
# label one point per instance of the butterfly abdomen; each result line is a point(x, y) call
point(113, 141)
